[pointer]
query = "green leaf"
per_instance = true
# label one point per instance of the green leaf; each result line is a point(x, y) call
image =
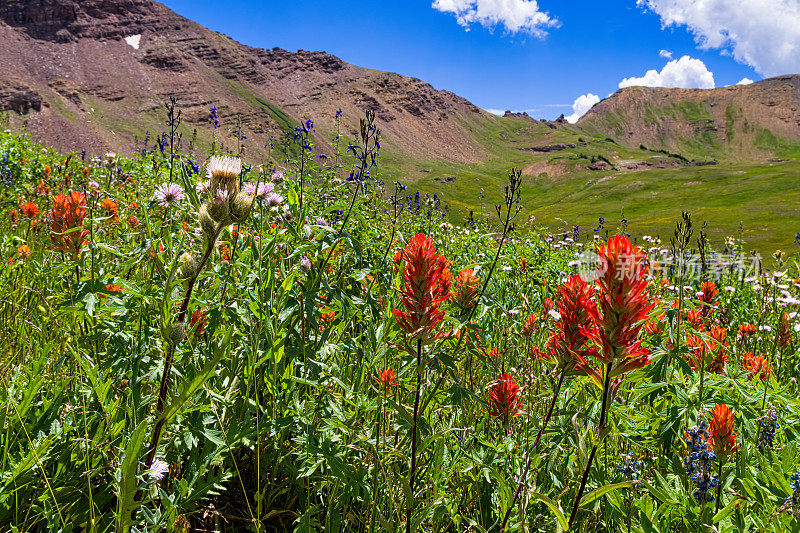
point(596, 493)
point(126, 502)
point(563, 524)
point(726, 511)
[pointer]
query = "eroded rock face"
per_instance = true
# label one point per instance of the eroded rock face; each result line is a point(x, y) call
point(68, 20)
point(106, 66)
point(18, 97)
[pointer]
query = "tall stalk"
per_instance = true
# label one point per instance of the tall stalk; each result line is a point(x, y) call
point(412, 474)
point(533, 449)
point(600, 434)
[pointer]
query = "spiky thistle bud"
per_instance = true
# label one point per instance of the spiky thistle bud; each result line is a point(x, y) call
point(240, 207)
point(188, 266)
point(207, 223)
point(177, 331)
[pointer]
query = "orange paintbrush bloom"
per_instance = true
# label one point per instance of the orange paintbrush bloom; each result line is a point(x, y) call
point(29, 209)
point(42, 189)
point(570, 344)
point(200, 320)
point(66, 223)
point(723, 439)
point(708, 293)
point(386, 379)
point(109, 205)
point(24, 252)
point(784, 331)
point(504, 401)
point(747, 330)
point(427, 284)
point(756, 365)
point(623, 305)
point(529, 326)
point(712, 352)
point(465, 292)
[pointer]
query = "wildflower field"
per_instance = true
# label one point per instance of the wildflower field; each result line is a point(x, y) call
point(223, 344)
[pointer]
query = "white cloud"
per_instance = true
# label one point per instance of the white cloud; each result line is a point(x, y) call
point(498, 112)
point(685, 72)
point(515, 15)
point(665, 54)
point(764, 34)
point(745, 81)
point(582, 104)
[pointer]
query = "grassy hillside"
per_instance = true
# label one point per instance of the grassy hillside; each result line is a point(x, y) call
point(560, 191)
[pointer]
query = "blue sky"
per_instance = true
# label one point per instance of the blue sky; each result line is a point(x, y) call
point(500, 54)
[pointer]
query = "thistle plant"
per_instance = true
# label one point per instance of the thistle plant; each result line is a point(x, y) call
point(224, 204)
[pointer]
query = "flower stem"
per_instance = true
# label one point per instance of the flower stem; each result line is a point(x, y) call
point(600, 428)
point(719, 485)
point(412, 474)
point(533, 448)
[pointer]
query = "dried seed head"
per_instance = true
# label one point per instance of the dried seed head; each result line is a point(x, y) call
point(223, 172)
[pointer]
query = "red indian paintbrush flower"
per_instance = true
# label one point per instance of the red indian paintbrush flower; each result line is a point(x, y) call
point(504, 401)
point(24, 252)
point(711, 352)
point(623, 305)
point(574, 327)
point(66, 223)
point(465, 292)
point(756, 365)
point(529, 326)
point(723, 439)
point(708, 293)
point(747, 330)
point(386, 379)
point(29, 209)
point(427, 284)
point(784, 331)
point(198, 323)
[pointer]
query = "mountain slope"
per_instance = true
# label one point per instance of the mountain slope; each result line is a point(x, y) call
point(92, 74)
point(747, 122)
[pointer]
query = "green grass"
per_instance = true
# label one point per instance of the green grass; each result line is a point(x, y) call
point(763, 198)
